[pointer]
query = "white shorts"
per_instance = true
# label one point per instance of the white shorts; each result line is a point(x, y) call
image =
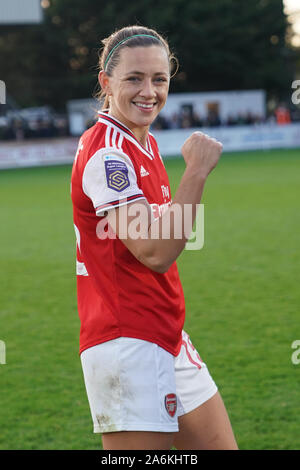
point(135, 385)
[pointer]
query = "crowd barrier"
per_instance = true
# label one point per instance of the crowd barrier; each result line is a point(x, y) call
point(44, 152)
point(236, 138)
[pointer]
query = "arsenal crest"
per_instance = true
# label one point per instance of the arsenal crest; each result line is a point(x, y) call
point(171, 404)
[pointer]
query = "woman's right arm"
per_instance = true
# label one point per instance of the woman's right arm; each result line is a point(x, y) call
point(201, 154)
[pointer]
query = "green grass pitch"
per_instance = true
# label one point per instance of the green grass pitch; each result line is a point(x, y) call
point(242, 298)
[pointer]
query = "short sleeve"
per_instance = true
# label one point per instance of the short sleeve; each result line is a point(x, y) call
point(110, 181)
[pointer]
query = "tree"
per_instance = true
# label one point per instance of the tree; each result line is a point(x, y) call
point(221, 45)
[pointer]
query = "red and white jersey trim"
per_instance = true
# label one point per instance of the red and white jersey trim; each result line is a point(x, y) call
point(118, 202)
point(118, 127)
point(113, 138)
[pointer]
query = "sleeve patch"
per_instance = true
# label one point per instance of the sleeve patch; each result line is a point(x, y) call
point(116, 174)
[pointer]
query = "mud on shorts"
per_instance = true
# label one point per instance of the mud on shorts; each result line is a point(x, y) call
point(135, 385)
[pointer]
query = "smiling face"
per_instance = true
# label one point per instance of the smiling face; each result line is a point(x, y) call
point(138, 87)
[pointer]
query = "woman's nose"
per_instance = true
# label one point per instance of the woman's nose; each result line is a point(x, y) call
point(147, 90)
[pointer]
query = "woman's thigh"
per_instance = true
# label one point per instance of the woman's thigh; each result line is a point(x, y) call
point(207, 428)
point(132, 440)
point(202, 417)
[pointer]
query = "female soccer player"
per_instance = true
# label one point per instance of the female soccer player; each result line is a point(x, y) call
point(146, 384)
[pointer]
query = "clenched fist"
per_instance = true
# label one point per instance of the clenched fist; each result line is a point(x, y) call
point(201, 153)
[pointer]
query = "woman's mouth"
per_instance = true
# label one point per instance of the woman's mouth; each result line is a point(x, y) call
point(144, 107)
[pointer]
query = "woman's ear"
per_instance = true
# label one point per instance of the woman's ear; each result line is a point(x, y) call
point(104, 81)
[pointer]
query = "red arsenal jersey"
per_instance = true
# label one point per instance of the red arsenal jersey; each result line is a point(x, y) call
point(118, 295)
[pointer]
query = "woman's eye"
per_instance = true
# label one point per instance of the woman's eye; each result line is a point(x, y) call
point(138, 79)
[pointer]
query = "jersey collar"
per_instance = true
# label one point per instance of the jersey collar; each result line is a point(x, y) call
point(104, 117)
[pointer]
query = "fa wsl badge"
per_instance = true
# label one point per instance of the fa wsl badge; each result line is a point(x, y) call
point(116, 174)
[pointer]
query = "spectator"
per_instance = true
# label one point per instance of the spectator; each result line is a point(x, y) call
point(18, 129)
point(282, 115)
point(160, 123)
point(213, 119)
point(174, 122)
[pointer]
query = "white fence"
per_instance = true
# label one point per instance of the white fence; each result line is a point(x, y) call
point(42, 152)
point(236, 138)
